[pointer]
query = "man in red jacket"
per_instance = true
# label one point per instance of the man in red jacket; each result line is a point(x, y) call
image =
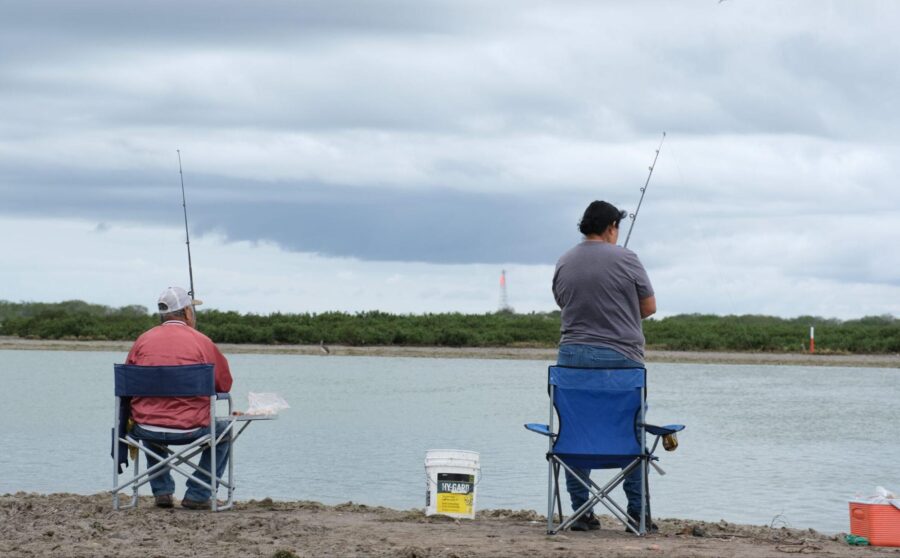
point(178, 420)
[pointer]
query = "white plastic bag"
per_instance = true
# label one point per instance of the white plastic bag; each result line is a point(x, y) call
point(883, 496)
point(265, 403)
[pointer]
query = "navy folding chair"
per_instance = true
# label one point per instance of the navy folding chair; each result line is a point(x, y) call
point(194, 380)
point(601, 426)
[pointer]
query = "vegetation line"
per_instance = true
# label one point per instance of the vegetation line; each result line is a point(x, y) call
point(687, 332)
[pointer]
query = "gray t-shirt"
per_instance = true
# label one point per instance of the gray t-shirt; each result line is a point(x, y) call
point(598, 286)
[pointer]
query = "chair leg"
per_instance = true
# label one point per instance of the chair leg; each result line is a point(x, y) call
point(228, 481)
point(181, 463)
point(601, 495)
point(554, 499)
point(115, 493)
point(134, 493)
point(119, 489)
point(558, 498)
point(643, 526)
point(551, 495)
point(592, 489)
point(230, 502)
point(213, 469)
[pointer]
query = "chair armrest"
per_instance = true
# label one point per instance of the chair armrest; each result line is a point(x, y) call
point(663, 430)
point(221, 395)
point(542, 429)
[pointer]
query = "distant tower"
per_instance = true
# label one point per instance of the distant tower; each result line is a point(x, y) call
point(504, 300)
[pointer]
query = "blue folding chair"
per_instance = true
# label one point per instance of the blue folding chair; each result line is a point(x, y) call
point(601, 426)
point(194, 380)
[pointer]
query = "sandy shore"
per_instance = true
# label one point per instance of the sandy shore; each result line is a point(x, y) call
point(526, 353)
point(74, 526)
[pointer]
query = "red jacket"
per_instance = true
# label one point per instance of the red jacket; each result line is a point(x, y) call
point(169, 344)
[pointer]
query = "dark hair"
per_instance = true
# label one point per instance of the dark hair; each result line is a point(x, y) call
point(599, 216)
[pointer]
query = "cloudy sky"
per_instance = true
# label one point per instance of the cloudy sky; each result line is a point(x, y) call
point(398, 154)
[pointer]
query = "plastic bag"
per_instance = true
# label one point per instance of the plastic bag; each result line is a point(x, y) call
point(883, 496)
point(265, 403)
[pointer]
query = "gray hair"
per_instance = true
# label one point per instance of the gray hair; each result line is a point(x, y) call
point(175, 315)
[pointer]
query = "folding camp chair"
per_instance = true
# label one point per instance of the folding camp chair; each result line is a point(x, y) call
point(601, 426)
point(172, 381)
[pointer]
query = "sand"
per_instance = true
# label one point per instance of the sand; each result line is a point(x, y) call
point(514, 353)
point(68, 525)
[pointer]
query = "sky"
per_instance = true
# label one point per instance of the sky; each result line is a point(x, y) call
point(397, 155)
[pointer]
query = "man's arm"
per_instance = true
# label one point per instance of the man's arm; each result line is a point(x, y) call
point(646, 298)
point(648, 306)
point(556, 294)
point(134, 353)
point(223, 372)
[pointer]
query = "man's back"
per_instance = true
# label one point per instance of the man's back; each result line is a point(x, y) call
point(598, 287)
point(170, 344)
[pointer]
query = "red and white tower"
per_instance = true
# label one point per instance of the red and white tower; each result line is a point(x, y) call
point(504, 299)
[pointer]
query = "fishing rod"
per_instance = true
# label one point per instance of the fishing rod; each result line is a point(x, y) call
point(187, 236)
point(644, 190)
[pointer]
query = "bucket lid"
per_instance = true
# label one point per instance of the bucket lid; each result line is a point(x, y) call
point(458, 456)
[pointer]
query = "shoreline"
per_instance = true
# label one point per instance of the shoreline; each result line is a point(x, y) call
point(508, 353)
point(75, 525)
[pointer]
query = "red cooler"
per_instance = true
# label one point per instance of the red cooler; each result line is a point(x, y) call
point(879, 523)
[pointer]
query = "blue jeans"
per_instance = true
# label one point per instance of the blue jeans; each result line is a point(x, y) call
point(588, 356)
point(163, 484)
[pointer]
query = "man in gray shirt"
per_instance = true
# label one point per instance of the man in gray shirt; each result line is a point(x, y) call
point(604, 293)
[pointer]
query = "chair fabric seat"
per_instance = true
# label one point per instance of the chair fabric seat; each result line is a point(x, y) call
point(583, 461)
point(190, 436)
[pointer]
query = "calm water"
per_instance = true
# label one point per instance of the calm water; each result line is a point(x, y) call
point(763, 443)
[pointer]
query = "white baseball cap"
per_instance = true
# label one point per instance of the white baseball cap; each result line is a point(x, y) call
point(174, 299)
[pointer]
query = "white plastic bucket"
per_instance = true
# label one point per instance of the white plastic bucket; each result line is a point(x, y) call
point(451, 477)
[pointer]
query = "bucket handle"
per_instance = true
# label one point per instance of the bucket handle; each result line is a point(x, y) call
point(478, 477)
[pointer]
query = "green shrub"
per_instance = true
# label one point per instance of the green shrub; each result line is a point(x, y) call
point(75, 319)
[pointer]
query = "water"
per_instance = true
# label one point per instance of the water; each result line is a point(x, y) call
point(763, 444)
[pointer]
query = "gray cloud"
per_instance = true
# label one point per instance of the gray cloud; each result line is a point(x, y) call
point(453, 67)
point(91, 22)
point(433, 225)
